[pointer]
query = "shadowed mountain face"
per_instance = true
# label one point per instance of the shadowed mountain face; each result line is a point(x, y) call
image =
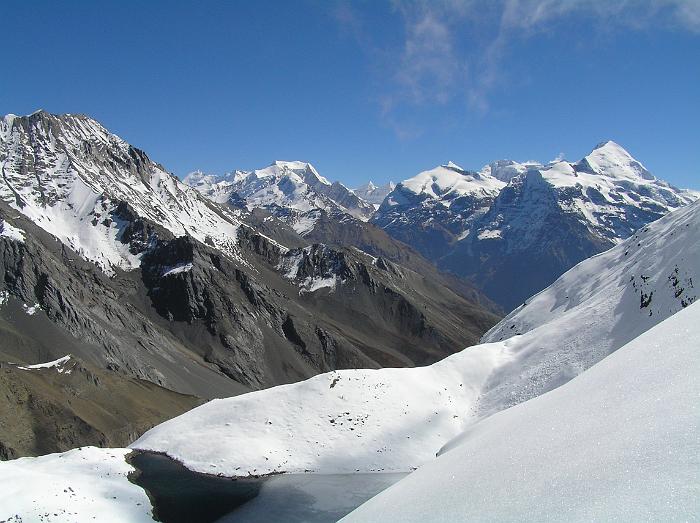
point(70, 404)
point(109, 258)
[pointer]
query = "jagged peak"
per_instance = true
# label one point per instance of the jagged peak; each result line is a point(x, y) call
point(296, 166)
point(609, 158)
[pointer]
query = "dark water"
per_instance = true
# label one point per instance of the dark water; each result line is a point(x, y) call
point(179, 495)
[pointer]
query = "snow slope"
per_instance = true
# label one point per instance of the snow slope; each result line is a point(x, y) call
point(387, 420)
point(598, 306)
point(617, 443)
point(85, 484)
point(448, 182)
point(68, 174)
point(397, 419)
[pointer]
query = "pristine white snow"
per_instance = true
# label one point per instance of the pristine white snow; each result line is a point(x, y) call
point(397, 419)
point(387, 420)
point(447, 182)
point(9, 231)
point(506, 170)
point(82, 485)
point(611, 160)
point(617, 443)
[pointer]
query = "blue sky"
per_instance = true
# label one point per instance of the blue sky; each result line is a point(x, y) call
point(367, 90)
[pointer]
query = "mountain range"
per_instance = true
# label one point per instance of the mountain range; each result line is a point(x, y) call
point(510, 229)
point(146, 283)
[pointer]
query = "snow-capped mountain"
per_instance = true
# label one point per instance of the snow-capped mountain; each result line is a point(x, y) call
point(526, 218)
point(291, 191)
point(431, 210)
point(86, 186)
point(374, 194)
point(397, 419)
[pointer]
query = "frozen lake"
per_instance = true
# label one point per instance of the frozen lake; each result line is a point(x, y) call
point(180, 495)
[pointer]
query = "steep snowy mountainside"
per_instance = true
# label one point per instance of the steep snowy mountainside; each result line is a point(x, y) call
point(219, 189)
point(613, 161)
point(86, 186)
point(293, 191)
point(396, 419)
point(430, 210)
point(621, 293)
point(374, 194)
point(617, 443)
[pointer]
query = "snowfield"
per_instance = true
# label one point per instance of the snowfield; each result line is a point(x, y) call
point(85, 484)
point(388, 420)
point(394, 420)
point(450, 181)
point(618, 443)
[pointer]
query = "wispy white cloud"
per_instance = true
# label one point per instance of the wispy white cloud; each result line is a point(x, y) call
point(454, 49)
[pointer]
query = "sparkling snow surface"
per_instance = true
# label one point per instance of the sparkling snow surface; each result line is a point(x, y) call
point(396, 419)
point(82, 485)
point(617, 443)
